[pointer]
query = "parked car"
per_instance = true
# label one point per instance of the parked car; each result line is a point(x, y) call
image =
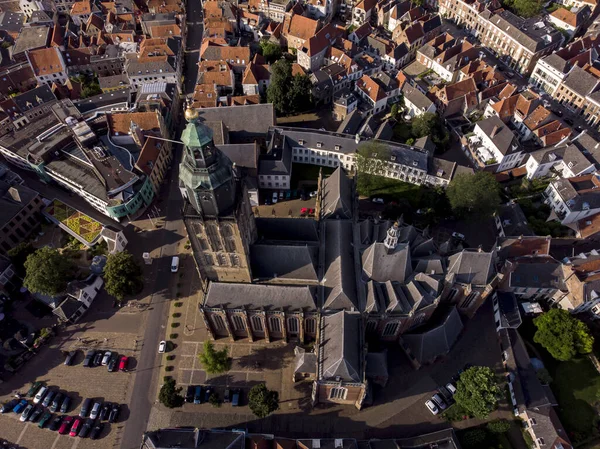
point(65, 426)
point(235, 398)
point(162, 347)
point(105, 411)
point(48, 399)
point(95, 410)
point(66, 405)
point(281, 194)
point(20, 406)
point(451, 388)
point(432, 407)
point(45, 420)
point(274, 198)
point(55, 423)
point(70, 358)
point(75, 427)
point(26, 413)
point(303, 211)
point(112, 363)
point(313, 194)
point(86, 428)
point(9, 406)
point(40, 395)
point(569, 122)
point(34, 388)
point(198, 395)
point(36, 414)
point(378, 200)
point(439, 401)
point(510, 74)
point(458, 235)
point(96, 431)
point(311, 212)
point(85, 408)
point(114, 413)
point(557, 112)
point(88, 361)
point(123, 363)
point(207, 393)
point(56, 402)
point(98, 358)
point(174, 264)
point(106, 358)
point(226, 395)
point(189, 394)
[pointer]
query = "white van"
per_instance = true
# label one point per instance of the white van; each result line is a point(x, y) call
point(174, 264)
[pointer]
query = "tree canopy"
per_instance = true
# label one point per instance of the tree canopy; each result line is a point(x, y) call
point(213, 361)
point(262, 401)
point(122, 275)
point(18, 255)
point(289, 94)
point(477, 391)
point(169, 394)
point(524, 8)
point(47, 271)
point(430, 124)
point(270, 51)
point(563, 335)
point(477, 194)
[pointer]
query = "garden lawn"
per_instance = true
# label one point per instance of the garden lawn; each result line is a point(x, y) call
point(389, 189)
point(577, 387)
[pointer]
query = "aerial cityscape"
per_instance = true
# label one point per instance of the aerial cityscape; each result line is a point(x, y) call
point(300, 224)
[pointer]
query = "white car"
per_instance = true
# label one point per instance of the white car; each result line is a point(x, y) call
point(378, 200)
point(313, 194)
point(451, 388)
point(40, 395)
point(458, 235)
point(274, 197)
point(432, 407)
point(162, 346)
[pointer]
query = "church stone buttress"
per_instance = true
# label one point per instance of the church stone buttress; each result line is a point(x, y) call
point(217, 213)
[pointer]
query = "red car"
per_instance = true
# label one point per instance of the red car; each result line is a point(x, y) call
point(75, 427)
point(303, 211)
point(66, 425)
point(123, 363)
point(311, 211)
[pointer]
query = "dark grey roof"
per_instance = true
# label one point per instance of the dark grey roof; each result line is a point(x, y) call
point(426, 346)
point(109, 82)
point(258, 296)
point(305, 362)
point(278, 159)
point(336, 195)
point(441, 168)
point(31, 38)
point(572, 156)
point(42, 16)
point(292, 263)
point(472, 267)
point(104, 100)
point(382, 265)
point(580, 81)
point(416, 97)
point(504, 139)
point(508, 310)
point(287, 230)
point(243, 123)
point(340, 347)
point(67, 308)
point(190, 438)
point(525, 31)
point(339, 281)
point(13, 199)
point(426, 144)
point(385, 131)
point(557, 62)
point(241, 154)
point(351, 123)
point(377, 364)
point(34, 97)
point(11, 21)
point(431, 24)
point(513, 220)
point(537, 275)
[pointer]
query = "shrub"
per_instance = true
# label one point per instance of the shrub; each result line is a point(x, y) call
point(473, 438)
point(173, 336)
point(167, 378)
point(176, 315)
point(170, 357)
point(214, 400)
point(498, 426)
point(178, 304)
point(174, 325)
point(169, 368)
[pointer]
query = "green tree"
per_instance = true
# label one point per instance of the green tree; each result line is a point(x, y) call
point(544, 376)
point(122, 275)
point(524, 8)
point(477, 194)
point(289, 94)
point(395, 111)
point(47, 271)
point(213, 361)
point(271, 51)
point(498, 426)
point(262, 401)
point(473, 438)
point(477, 391)
point(563, 335)
point(170, 395)
point(18, 255)
point(430, 124)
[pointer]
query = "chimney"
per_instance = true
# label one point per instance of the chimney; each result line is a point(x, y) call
point(14, 194)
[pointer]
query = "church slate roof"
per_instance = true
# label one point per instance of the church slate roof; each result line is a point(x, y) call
point(341, 347)
point(285, 262)
point(287, 230)
point(339, 281)
point(381, 265)
point(259, 296)
point(472, 267)
point(336, 195)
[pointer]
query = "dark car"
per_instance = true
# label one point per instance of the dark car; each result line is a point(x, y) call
point(98, 358)
point(88, 362)
point(85, 430)
point(112, 362)
point(105, 411)
point(569, 122)
point(66, 405)
point(114, 413)
point(36, 414)
point(227, 395)
point(56, 402)
point(96, 431)
point(557, 112)
point(235, 398)
point(198, 395)
point(189, 394)
point(207, 393)
point(55, 423)
point(48, 398)
point(85, 408)
point(20, 406)
point(46, 417)
point(34, 387)
point(70, 358)
point(8, 406)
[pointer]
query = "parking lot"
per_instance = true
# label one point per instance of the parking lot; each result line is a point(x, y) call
point(76, 382)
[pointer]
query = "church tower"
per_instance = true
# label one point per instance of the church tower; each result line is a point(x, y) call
point(217, 213)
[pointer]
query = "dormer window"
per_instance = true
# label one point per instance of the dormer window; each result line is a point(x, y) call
point(301, 141)
point(338, 148)
point(392, 158)
point(319, 144)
